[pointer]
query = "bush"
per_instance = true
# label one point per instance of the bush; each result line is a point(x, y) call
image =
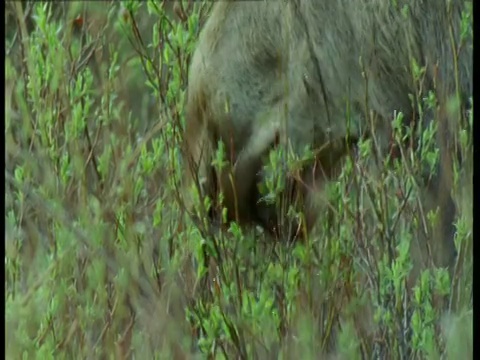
point(103, 261)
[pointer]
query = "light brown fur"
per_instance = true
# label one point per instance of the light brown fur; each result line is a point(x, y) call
point(267, 71)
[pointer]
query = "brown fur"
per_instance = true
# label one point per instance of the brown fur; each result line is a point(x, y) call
point(273, 69)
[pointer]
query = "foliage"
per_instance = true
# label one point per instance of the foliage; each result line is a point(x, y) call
point(102, 259)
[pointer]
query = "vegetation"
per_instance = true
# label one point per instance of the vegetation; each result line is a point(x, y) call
point(103, 261)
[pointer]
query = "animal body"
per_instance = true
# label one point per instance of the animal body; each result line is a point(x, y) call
point(270, 73)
